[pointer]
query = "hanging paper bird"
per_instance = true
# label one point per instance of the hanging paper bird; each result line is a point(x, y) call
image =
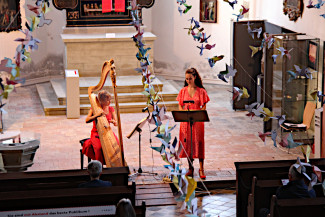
point(201, 49)
point(319, 4)
point(249, 30)
point(273, 136)
point(292, 143)
point(292, 75)
point(254, 50)
point(236, 93)
point(196, 23)
point(188, 7)
point(240, 93)
point(204, 38)
point(259, 31)
point(245, 93)
point(189, 29)
point(222, 77)
point(284, 141)
point(231, 3)
point(267, 114)
point(230, 71)
point(303, 72)
point(281, 119)
point(3, 65)
point(33, 9)
point(320, 96)
point(263, 135)
point(322, 15)
point(252, 106)
point(250, 109)
point(244, 10)
point(209, 47)
point(43, 21)
point(12, 67)
point(239, 16)
point(274, 57)
point(180, 10)
point(181, 2)
point(214, 59)
point(310, 4)
point(284, 52)
point(259, 112)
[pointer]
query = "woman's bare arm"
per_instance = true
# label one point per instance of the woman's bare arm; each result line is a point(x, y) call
point(90, 117)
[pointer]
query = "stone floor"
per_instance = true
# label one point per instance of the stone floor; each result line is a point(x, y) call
point(230, 136)
point(220, 203)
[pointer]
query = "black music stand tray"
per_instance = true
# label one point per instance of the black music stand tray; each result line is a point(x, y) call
point(191, 116)
point(138, 128)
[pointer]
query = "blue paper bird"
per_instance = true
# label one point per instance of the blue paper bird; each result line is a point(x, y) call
point(201, 49)
point(319, 4)
point(273, 136)
point(196, 23)
point(292, 75)
point(292, 143)
point(204, 38)
point(222, 77)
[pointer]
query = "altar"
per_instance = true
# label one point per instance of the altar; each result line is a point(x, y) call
point(86, 48)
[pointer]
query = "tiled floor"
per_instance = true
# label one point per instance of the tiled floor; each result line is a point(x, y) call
point(230, 136)
point(221, 204)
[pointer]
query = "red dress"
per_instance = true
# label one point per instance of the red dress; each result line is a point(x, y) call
point(200, 99)
point(92, 147)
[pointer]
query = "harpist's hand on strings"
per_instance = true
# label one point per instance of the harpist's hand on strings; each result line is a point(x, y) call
point(113, 122)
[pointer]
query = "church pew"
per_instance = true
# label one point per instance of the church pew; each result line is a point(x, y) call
point(263, 170)
point(260, 197)
point(67, 198)
point(262, 192)
point(23, 181)
point(300, 207)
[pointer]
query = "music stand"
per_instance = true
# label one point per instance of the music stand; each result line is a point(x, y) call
point(191, 116)
point(138, 128)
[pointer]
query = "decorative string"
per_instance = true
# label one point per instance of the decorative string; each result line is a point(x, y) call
point(12, 20)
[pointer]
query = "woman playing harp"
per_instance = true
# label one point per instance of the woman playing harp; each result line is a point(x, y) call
point(92, 147)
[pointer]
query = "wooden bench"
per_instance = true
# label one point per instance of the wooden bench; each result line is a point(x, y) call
point(67, 198)
point(59, 190)
point(260, 197)
point(24, 181)
point(263, 170)
point(300, 207)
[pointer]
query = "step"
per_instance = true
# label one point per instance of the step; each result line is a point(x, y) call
point(169, 93)
point(125, 84)
point(127, 97)
point(51, 104)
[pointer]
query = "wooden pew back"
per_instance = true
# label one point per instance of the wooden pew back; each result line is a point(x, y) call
point(263, 170)
point(300, 207)
point(67, 198)
point(262, 191)
point(24, 181)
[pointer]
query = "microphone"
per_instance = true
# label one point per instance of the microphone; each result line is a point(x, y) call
point(145, 109)
point(188, 101)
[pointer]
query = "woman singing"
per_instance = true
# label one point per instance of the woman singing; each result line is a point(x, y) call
point(92, 147)
point(193, 90)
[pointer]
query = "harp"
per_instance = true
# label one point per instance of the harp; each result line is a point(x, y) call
point(113, 152)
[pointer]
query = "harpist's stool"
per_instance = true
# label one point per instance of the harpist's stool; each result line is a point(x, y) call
point(81, 155)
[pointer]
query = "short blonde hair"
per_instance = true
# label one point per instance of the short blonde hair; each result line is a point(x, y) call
point(104, 96)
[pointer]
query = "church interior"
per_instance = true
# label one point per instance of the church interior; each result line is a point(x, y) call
point(87, 81)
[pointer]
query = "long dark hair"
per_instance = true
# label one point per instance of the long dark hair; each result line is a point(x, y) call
point(195, 73)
